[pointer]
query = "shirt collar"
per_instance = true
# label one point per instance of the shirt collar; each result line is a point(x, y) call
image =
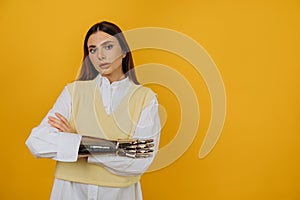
point(103, 80)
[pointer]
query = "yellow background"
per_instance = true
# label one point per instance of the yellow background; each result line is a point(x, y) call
point(256, 47)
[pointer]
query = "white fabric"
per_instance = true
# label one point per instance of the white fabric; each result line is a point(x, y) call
point(45, 141)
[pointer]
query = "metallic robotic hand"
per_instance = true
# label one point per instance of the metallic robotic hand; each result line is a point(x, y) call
point(132, 148)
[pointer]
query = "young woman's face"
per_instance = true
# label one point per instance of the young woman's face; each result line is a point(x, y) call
point(106, 55)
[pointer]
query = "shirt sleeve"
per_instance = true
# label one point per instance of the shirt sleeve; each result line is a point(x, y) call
point(147, 127)
point(46, 142)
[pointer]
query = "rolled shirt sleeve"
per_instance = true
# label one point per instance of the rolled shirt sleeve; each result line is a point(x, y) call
point(46, 142)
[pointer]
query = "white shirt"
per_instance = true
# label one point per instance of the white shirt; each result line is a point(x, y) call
point(46, 142)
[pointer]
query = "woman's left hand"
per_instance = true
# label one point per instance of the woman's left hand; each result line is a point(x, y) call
point(61, 123)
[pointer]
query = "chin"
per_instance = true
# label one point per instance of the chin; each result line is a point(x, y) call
point(104, 71)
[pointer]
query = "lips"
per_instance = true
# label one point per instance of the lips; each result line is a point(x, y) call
point(104, 65)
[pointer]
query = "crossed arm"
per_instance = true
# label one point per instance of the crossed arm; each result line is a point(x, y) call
point(54, 138)
point(132, 148)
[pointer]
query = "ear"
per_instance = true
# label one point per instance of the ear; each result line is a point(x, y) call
point(124, 54)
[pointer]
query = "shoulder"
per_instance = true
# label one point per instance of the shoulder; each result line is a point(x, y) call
point(143, 89)
point(144, 93)
point(79, 85)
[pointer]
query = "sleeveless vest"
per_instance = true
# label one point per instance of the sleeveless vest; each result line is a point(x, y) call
point(89, 118)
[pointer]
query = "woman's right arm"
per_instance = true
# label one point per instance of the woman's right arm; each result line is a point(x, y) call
point(46, 141)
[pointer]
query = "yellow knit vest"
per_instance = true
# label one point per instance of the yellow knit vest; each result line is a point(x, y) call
point(89, 118)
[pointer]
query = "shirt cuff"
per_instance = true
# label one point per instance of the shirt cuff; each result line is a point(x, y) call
point(68, 146)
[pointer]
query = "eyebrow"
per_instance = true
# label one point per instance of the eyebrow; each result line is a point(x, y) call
point(102, 44)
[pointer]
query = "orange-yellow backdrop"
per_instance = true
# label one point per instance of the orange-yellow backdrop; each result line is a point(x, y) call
point(256, 47)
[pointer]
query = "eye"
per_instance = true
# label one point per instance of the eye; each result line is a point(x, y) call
point(108, 47)
point(92, 51)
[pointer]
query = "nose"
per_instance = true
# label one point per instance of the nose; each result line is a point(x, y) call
point(100, 55)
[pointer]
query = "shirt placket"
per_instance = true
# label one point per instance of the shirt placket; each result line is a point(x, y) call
point(106, 96)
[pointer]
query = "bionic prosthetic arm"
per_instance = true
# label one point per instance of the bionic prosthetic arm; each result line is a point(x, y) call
point(132, 148)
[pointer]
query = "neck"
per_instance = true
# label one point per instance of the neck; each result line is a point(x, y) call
point(112, 78)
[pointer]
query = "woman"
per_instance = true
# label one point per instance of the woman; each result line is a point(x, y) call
point(105, 102)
